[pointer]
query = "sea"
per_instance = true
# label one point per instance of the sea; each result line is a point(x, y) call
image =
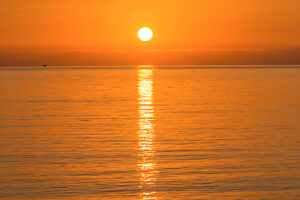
point(150, 133)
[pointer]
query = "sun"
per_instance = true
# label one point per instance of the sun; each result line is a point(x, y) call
point(145, 34)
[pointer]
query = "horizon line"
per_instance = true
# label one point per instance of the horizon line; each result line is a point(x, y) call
point(152, 66)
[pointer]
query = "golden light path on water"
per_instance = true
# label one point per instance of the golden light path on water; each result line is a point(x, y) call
point(146, 135)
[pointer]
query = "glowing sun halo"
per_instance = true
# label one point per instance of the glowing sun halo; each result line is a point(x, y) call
point(145, 34)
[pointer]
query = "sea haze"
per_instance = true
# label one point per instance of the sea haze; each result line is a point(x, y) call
point(150, 132)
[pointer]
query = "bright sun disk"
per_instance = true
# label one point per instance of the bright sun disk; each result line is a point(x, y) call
point(145, 34)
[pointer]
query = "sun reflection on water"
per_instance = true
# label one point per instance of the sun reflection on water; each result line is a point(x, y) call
point(146, 135)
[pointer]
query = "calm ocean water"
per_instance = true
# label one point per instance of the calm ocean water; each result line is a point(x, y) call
point(155, 133)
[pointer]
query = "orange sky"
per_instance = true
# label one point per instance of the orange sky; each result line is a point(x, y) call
point(107, 28)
